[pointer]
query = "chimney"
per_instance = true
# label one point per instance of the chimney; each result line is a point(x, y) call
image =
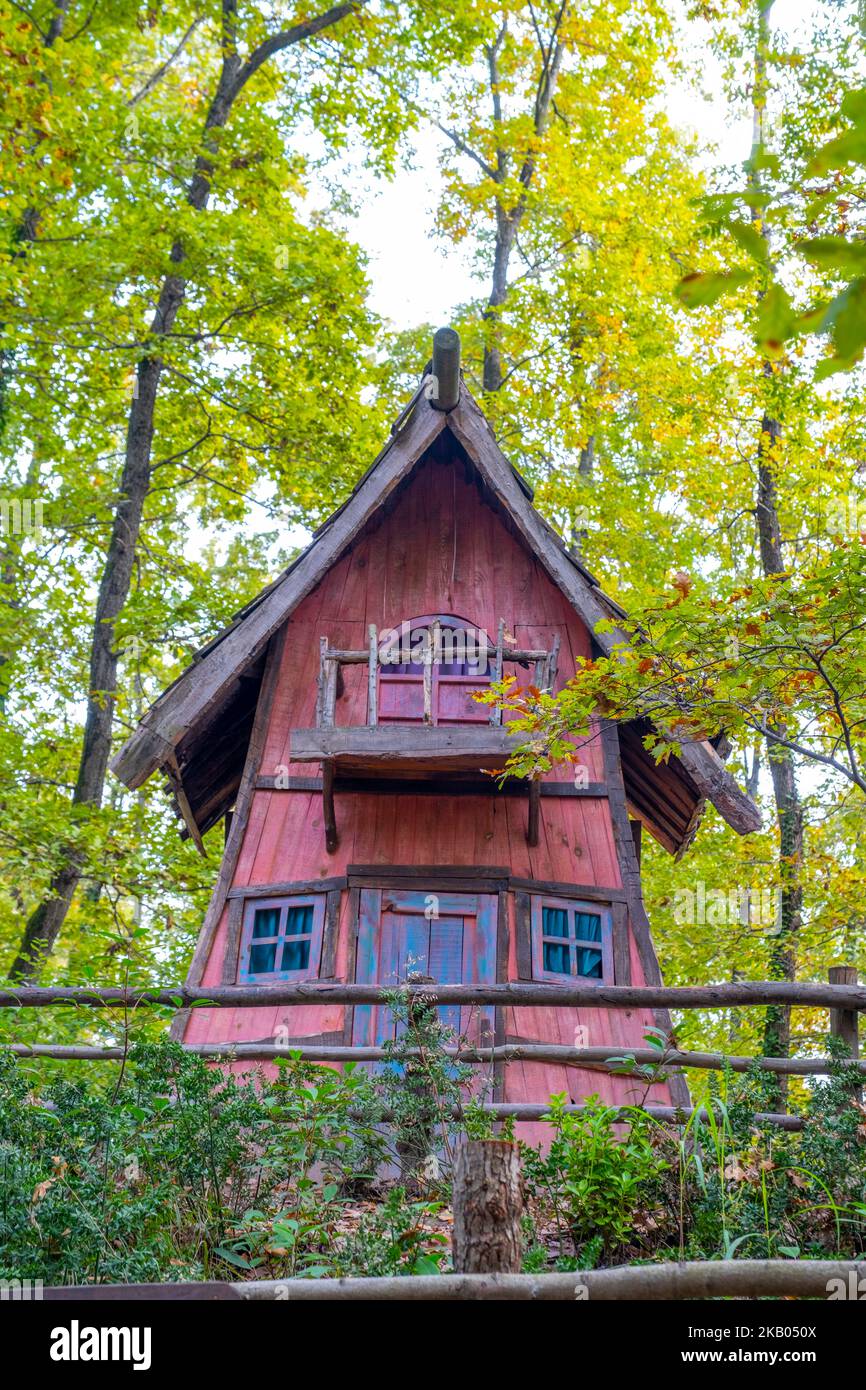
point(443, 390)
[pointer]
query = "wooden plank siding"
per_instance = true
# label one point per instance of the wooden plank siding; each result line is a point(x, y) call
point(439, 549)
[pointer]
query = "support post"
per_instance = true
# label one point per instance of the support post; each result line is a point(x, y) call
point(446, 369)
point(552, 665)
point(331, 670)
point(328, 810)
point(496, 710)
point(320, 684)
point(532, 829)
point(843, 1022)
point(488, 1205)
point(373, 679)
point(428, 678)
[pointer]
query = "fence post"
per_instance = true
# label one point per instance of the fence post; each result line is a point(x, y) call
point(843, 1022)
point(488, 1205)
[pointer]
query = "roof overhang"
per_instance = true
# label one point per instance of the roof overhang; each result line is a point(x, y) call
point(200, 726)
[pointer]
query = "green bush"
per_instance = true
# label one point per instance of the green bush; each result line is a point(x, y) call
point(159, 1179)
point(593, 1182)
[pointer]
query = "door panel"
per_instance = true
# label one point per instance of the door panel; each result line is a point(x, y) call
point(451, 936)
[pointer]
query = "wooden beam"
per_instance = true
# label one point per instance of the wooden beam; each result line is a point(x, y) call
point(328, 810)
point(231, 955)
point(174, 775)
point(432, 786)
point(631, 879)
point(534, 819)
point(297, 887)
point(463, 747)
point(496, 710)
point(743, 994)
point(522, 1052)
point(428, 679)
point(674, 1282)
point(373, 678)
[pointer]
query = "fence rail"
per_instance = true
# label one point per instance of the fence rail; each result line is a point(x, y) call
point(694, 1279)
point(751, 993)
point(843, 997)
point(621, 1059)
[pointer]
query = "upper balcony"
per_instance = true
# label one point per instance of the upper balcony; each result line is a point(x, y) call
point(422, 721)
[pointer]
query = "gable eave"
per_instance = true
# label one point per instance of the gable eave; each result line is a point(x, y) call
point(199, 689)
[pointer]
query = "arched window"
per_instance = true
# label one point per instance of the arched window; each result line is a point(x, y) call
point(461, 665)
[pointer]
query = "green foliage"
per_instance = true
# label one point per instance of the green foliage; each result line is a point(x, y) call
point(618, 1185)
point(393, 1238)
point(592, 1183)
point(780, 657)
point(138, 1185)
point(423, 1094)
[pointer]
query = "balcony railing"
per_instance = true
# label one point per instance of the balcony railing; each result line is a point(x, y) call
point(423, 747)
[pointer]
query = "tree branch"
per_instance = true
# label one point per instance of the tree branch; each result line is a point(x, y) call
point(157, 76)
point(306, 29)
point(461, 145)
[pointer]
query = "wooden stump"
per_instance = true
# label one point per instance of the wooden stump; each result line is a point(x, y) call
point(488, 1203)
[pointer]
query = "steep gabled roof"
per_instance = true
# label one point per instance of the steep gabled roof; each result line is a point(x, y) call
point(216, 694)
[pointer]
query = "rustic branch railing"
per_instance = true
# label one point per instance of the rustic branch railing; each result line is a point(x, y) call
point(694, 1279)
point(813, 1279)
point(610, 1058)
point(332, 659)
point(844, 1001)
point(743, 994)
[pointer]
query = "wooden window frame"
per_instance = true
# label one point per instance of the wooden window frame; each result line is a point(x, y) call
point(604, 946)
point(386, 678)
point(283, 902)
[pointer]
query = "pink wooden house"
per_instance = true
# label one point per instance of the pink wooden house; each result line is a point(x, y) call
point(332, 728)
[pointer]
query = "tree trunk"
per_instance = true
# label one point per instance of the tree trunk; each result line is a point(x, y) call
point(506, 231)
point(44, 924)
point(488, 1205)
point(789, 811)
point(508, 219)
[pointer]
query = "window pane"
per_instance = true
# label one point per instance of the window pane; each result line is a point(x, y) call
point(296, 955)
point(589, 964)
point(556, 958)
point(299, 921)
point(587, 926)
point(262, 959)
point(554, 921)
point(266, 921)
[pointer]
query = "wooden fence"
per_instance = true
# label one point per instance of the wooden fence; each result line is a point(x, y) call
point(842, 996)
point(482, 1253)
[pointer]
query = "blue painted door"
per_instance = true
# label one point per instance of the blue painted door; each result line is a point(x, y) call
point(450, 936)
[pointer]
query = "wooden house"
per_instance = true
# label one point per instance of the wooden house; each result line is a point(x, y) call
point(332, 728)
